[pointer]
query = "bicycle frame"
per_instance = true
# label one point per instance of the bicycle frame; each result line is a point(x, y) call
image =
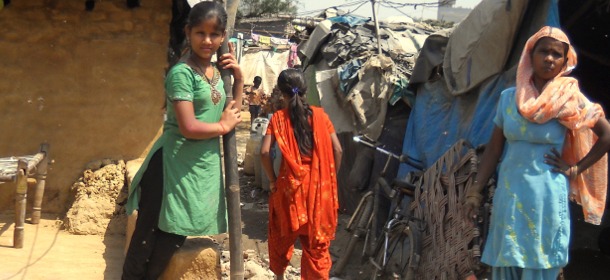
point(366, 218)
point(400, 225)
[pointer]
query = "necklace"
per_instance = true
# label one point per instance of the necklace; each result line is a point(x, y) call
point(215, 94)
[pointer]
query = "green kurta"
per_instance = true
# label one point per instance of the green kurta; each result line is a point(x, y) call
point(193, 196)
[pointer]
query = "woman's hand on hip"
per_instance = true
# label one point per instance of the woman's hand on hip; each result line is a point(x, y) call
point(559, 165)
point(230, 116)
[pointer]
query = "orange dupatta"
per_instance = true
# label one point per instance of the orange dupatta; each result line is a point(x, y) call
point(561, 99)
point(322, 200)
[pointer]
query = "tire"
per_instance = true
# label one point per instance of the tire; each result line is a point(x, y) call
point(401, 258)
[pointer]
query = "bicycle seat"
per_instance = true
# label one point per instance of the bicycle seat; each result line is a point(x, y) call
point(404, 186)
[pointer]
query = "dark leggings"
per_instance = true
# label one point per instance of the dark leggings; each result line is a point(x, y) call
point(150, 249)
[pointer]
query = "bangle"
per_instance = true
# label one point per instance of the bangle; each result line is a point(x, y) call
point(222, 129)
point(476, 195)
point(573, 172)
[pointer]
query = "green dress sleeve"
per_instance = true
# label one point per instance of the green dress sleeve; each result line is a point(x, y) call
point(179, 84)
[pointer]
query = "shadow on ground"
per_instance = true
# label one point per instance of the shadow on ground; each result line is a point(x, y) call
point(114, 245)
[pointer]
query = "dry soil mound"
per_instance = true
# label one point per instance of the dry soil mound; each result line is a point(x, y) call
point(95, 209)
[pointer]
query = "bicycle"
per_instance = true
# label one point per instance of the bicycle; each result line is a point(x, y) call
point(398, 256)
point(397, 232)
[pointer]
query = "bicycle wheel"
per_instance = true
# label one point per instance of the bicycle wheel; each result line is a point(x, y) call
point(361, 217)
point(398, 256)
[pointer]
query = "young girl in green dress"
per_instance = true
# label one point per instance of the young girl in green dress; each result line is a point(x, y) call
point(179, 189)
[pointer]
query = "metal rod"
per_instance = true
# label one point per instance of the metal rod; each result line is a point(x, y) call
point(230, 161)
point(373, 2)
point(362, 140)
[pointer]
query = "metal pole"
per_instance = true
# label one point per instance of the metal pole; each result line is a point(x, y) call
point(373, 2)
point(230, 158)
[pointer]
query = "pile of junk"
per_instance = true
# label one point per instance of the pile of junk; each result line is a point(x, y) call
point(362, 84)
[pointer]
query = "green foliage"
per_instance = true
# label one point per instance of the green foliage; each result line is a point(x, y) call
point(258, 8)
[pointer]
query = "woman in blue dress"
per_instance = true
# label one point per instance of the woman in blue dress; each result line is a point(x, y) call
point(544, 114)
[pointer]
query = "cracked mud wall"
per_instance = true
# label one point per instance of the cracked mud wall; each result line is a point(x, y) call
point(88, 83)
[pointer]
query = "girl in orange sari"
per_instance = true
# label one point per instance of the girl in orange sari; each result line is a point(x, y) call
point(303, 202)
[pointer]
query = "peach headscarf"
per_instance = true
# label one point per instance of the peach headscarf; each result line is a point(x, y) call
point(561, 99)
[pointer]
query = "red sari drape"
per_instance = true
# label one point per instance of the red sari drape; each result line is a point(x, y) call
point(306, 188)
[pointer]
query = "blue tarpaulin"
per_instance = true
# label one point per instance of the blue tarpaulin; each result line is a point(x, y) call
point(350, 20)
point(439, 119)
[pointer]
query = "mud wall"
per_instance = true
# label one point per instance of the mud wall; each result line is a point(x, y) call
point(88, 83)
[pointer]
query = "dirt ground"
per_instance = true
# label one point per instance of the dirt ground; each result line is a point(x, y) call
point(50, 252)
point(90, 59)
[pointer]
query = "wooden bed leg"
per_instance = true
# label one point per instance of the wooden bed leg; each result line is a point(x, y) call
point(20, 202)
point(41, 177)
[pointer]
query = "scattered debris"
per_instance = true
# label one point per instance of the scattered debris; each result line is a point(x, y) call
point(257, 267)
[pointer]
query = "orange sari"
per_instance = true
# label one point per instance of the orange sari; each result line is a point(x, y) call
point(561, 99)
point(306, 192)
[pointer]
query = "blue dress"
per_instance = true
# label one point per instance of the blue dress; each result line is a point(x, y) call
point(530, 222)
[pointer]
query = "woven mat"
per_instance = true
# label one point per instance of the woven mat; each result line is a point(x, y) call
point(451, 247)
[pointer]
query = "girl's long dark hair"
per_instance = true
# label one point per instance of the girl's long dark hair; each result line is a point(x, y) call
point(202, 11)
point(292, 83)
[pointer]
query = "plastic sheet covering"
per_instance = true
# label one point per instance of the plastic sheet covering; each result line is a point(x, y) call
point(348, 74)
point(430, 56)
point(317, 38)
point(481, 44)
point(334, 105)
point(369, 98)
point(350, 20)
point(266, 64)
point(439, 118)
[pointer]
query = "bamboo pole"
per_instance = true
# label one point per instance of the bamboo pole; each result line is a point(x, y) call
point(11, 175)
point(232, 189)
point(20, 202)
point(32, 163)
point(373, 2)
point(41, 177)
